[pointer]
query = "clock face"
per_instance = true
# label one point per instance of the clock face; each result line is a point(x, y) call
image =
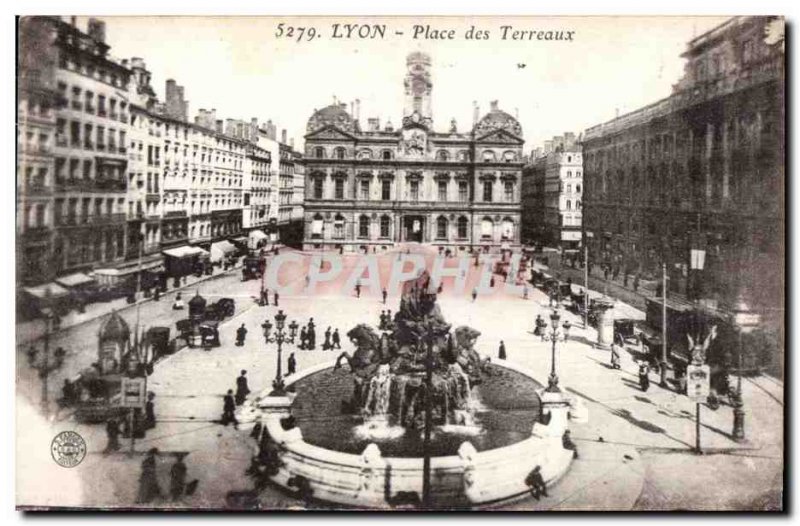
point(418, 87)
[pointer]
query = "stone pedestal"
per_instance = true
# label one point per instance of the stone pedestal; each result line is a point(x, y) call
point(605, 323)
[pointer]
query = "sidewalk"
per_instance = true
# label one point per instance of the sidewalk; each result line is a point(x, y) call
point(33, 330)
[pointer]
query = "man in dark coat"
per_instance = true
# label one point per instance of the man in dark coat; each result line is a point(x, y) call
point(567, 443)
point(501, 353)
point(150, 412)
point(177, 478)
point(303, 339)
point(358, 289)
point(636, 283)
point(535, 482)
point(474, 295)
point(327, 345)
point(383, 294)
point(275, 296)
point(291, 364)
point(336, 342)
point(242, 390)
point(148, 481)
point(228, 409)
point(112, 432)
point(241, 334)
point(312, 335)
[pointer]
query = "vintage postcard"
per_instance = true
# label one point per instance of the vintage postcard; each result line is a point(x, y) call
point(428, 263)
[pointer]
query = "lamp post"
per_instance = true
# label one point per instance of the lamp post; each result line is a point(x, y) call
point(746, 321)
point(555, 335)
point(697, 258)
point(42, 362)
point(279, 338)
point(293, 331)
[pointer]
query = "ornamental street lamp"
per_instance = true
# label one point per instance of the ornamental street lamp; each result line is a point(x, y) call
point(293, 331)
point(555, 335)
point(279, 338)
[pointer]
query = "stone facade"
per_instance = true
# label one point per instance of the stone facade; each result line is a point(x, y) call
point(704, 167)
point(369, 188)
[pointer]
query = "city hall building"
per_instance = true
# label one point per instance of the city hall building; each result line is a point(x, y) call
point(370, 188)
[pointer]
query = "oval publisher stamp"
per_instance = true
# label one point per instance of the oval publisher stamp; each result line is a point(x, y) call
point(68, 449)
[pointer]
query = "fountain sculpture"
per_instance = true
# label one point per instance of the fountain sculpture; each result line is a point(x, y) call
point(389, 370)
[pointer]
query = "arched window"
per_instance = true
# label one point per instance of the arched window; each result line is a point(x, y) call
point(569, 188)
point(578, 188)
point(338, 226)
point(569, 204)
point(442, 155)
point(316, 226)
point(386, 155)
point(578, 204)
point(341, 153)
point(441, 227)
point(463, 227)
point(386, 222)
point(463, 155)
point(319, 152)
point(487, 226)
point(489, 156)
point(509, 156)
point(365, 154)
point(508, 229)
point(363, 226)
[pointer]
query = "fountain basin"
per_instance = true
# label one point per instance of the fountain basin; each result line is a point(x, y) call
point(362, 475)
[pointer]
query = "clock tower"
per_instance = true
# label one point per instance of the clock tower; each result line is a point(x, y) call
point(418, 85)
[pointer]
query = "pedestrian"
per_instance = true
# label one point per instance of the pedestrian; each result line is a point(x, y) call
point(291, 364)
point(525, 293)
point(605, 272)
point(336, 342)
point(625, 278)
point(491, 282)
point(241, 334)
point(382, 324)
point(326, 345)
point(303, 339)
point(157, 294)
point(644, 376)
point(177, 477)
point(242, 390)
point(308, 280)
point(383, 293)
point(358, 289)
point(112, 432)
point(535, 482)
point(501, 353)
point(614, 356)
point(228, 409)
point(178, 304)
point(148, 481)
point(275, 298)
point(636, 283)
point(264, 297)
point(150, 412)
point(568, 444)
point(312, 335)
point(474, 295)
point(440, 288)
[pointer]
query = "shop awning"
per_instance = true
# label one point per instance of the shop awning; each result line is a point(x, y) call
point(74, 280)
point(241, 239)
point(258, 235)
point(53, 290)
point(220, 249)
point(130, 267)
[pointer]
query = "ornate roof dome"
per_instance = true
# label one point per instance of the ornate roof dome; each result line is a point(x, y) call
point(115, 328)
point(497, 119)
point(333, 115)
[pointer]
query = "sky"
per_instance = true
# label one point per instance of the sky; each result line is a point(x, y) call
point(239, 66)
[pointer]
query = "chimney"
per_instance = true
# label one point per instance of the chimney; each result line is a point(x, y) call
point(97, 30)
point(352, 109)
point(218, 125)
point(283, 136)
point(493, 105)
point(475, 112)
point(291, 143)
point(73, 20)
point(358, 109)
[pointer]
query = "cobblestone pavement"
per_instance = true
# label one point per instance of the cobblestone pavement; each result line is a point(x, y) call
point(635, 449)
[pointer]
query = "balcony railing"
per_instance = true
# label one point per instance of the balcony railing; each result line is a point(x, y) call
point(77, 105)
point(101, 146)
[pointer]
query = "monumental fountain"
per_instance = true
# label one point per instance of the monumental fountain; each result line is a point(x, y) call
point(358, 437)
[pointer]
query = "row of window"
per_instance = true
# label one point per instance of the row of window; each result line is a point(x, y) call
point(76, 210)
point(364, 190)
point(101, 106)
point(87, 168)
point(99, 138)
point(441, 155)
point(385, 224)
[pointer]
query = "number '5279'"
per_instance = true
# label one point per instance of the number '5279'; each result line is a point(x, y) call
point(298, 33)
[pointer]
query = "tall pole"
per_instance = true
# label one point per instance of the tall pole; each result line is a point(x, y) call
point(426, 459)
point(697, 431)
point(585, 284)
point(44, 373)
point(664, 325)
